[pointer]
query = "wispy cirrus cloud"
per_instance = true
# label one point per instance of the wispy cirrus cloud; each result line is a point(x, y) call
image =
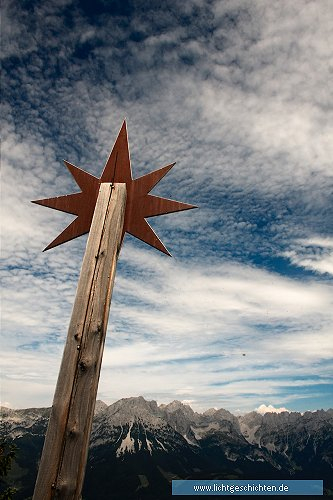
point(227, 333)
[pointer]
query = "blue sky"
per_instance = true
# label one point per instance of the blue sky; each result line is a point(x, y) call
point(237, 93)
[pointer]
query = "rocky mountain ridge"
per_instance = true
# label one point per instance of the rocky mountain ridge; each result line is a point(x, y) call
point(150, 444)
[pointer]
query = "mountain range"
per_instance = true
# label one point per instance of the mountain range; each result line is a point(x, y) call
point(137, 447)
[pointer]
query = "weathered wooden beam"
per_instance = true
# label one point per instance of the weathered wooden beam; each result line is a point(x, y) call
point(63, 462)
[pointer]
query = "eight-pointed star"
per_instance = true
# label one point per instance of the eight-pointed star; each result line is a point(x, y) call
point(139, 205)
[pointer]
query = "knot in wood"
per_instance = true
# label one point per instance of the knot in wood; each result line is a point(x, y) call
point(55, 491)
point(98, 330)
point(82, 366)
point(101, 254)
point(72, 432)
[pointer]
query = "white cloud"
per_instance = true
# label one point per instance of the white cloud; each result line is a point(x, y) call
point(315, 254)
point(5, 404)
point(321, 265)
point(262, 409)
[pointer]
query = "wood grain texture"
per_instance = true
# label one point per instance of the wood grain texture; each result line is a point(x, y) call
point(64, 456)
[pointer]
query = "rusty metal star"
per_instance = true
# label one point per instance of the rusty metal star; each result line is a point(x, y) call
point(139, 205)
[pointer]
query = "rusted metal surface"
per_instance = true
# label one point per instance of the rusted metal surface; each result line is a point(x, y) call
point(81, 204)
point(140, 204)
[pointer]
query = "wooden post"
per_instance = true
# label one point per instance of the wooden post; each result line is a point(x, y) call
point(63, 462)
